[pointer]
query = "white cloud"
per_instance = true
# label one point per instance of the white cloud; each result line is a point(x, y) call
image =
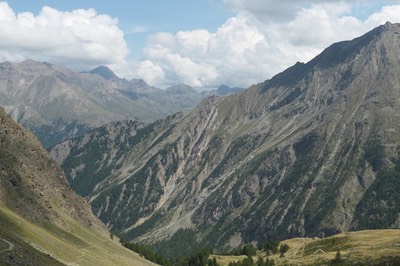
point(250, 47)
point(387, 13)
point(264, 38)
point(274, 10)
point(200, 58)
point(150, 72)
point(76, 39)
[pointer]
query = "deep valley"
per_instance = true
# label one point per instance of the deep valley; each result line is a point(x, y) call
point(300, 169)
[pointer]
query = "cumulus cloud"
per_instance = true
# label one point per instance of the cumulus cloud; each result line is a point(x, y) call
point(77, 39)
point(262, 39)
point(249, 47)
point(201, 58)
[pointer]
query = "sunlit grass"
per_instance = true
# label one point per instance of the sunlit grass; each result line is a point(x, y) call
point(78, 245)
point(355, 247)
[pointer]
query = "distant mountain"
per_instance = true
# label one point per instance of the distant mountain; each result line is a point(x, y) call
point(42, 221)
point(108, 74)
point(223, 90)
point(180, 89)
point(138, 84)
point(104, 72)
point(56, 103)
point(183, 96)
point(311, 152)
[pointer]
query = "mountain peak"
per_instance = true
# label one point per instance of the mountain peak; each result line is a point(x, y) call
point(29, 62)
point(181, 89)
point(33, 63)
point(225, 90)
point(347, 50)
point(104, 72)
point(390, 26)
point(388, 30)
point(378, 44)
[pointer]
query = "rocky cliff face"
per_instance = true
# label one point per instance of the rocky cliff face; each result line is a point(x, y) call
point(312, 151)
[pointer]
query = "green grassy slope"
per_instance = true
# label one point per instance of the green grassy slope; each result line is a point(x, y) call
point(369, 247)
point(22, 242)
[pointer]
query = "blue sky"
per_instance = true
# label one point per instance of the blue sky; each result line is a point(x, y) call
point(202, 43)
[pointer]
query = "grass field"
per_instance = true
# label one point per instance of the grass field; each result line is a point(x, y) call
point(48, 244)
point(370, 247)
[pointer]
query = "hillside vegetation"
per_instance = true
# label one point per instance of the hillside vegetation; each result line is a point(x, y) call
point(31, 244)
point(369, 247)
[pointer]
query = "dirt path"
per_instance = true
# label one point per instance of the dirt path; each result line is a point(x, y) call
point(10, 245)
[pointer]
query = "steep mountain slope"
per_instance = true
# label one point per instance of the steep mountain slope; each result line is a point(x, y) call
point(42, 221)
point(312, 151)
point(56, 103)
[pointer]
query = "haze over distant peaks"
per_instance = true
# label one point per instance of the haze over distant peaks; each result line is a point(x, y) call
point(181, 89)
point(56, 103)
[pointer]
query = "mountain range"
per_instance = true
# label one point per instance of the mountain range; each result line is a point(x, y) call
point(42, 221)
point(56, 103)
point(310, 152)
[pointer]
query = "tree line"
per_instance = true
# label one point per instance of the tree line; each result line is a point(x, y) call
point(201, 256)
